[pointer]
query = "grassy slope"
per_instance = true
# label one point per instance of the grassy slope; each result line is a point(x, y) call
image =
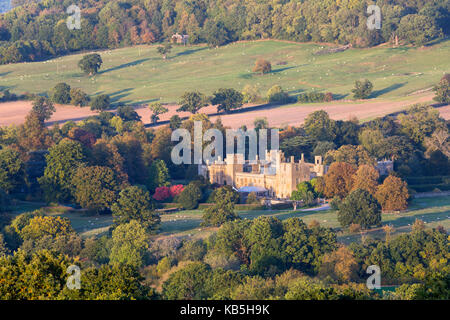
point(138, 74)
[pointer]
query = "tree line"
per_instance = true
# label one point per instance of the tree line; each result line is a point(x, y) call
point(37, 30)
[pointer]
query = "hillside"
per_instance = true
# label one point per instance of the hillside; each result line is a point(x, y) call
point(139, 75)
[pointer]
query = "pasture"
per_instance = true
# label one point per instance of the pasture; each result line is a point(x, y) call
point(139, 75)
point(434, 211)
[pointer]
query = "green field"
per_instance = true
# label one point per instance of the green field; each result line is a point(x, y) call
point(139, 74)
point(433, 211)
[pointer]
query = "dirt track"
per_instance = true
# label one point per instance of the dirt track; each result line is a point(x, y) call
point(14, 112)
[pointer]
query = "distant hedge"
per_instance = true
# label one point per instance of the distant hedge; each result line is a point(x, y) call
point(311, 97)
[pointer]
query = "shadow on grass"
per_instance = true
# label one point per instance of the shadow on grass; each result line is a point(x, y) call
point(377, 93)
point(125, 65)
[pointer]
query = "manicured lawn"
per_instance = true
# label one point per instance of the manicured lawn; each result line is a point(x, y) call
point(139, 75)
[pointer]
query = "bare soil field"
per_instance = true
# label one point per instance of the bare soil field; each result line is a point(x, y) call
point(15, 112)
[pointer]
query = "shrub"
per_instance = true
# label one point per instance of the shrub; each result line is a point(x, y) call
point(100, 103)
point(162, 193)
point(277, 95)
point(251, 94)
point(363, 89)
point(310, 97)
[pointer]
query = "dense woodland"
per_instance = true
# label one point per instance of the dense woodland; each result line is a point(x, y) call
point(38, 30)
point(110, 165)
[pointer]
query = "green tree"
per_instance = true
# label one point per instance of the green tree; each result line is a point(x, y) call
point(359, 207)
point(189, 283)
point(62, 160)
point(90, 64)
point(223, 209)
point(227, 99)
point(363, 89)
point(117, 282)
point(12, 170)
point(157, 108)
point(100, 103)
point(417, 29)
point(61, 93)
point(78, 97)
point(164, 50)
point(319, 126)
point(192, 102)
point(159, 175)
point(442, 90)
point(37, 277)
point(134, 203)
point(276, 94)
point(305, 246)
point(305, 192)
point(419, 122)
point(95, 187)
point(190, 196)
point(129, 244)
point(43, 108)
point(175, 122)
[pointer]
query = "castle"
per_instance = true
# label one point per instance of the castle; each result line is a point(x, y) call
point(273, 176)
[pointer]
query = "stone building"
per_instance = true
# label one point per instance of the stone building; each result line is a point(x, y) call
point(385, 167)
point(180, 38)
point(278, 176)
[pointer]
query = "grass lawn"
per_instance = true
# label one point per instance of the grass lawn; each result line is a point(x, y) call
point(433, 211)
point(139, 75)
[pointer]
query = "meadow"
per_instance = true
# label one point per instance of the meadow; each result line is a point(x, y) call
point(139, 75)
point(434, 211)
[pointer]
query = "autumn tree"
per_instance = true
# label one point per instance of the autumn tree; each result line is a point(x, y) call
point(339, 180)
point(33, 134)
point(262, 66)
point(366, 178)
point(393, 194)
point(340, 265)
